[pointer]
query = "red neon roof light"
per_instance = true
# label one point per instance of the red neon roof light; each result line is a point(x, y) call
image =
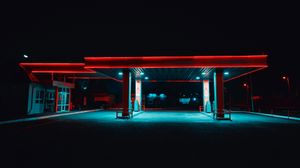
point(56, 68)
point(217, 61)
point(250, 61)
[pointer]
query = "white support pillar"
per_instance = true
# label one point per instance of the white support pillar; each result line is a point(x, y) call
point(215, 93)
point(138, 94)
point(206, 100)
point(129, 93)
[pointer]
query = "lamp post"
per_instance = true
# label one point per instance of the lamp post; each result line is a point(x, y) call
point(246, 86)
point(251, 93)
point(289, 92)
point(288, 82)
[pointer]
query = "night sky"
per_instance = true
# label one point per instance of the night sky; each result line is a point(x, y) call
point(66, 32)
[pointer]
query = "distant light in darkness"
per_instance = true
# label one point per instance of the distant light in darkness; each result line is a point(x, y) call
point(120, 73)
point(146, 77)
point(25, 56)
point(284, 77)
point(197, 77)
point(226, 73)
point(142, 73)
point(203, 73)
point(184, 100)
point(152, 95)
point(162, 96)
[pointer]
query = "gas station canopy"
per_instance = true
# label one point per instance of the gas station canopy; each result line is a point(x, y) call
point(156, 68)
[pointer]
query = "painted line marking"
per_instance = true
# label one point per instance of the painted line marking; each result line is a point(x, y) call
point(272, 115)
point(44, 117)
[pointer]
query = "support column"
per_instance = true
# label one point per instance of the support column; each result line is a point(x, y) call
point(219, 93)
point(70, 99)
point(126, 92)
point(206, 101)
point(56, 99)
point(138, 93)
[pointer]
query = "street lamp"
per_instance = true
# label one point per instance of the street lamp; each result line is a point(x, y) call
point(246, 86)
point(288, 82)
point(251, 93)
point(289, 91)
point(249, 88)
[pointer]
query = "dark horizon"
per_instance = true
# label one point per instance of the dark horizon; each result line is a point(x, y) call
point(61, 121)
point(68, 32)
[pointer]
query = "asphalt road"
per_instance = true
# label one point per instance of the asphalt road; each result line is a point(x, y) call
point(151, 139)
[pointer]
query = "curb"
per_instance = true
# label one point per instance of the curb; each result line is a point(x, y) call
point(44, 117)
point(273, 115)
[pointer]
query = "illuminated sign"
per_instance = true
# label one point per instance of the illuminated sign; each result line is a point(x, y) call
point(205, 93)
point(138, 91)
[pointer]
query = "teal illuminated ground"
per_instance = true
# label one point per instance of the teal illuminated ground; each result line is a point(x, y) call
point(155, 139)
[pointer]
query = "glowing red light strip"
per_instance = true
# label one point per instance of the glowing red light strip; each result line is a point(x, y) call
point(56, 68)
point(227, 61)
point(187, 66)
point(31, 76)
point(172, 57)
point(101, 78)
point(247, 73)
point(177, 62)
point(52, 64)
point(63, 71)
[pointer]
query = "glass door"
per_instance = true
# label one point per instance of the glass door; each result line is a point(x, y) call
point(50, 100)
point(63, 99)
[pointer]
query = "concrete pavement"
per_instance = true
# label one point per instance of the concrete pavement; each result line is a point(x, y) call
point(151, 139)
